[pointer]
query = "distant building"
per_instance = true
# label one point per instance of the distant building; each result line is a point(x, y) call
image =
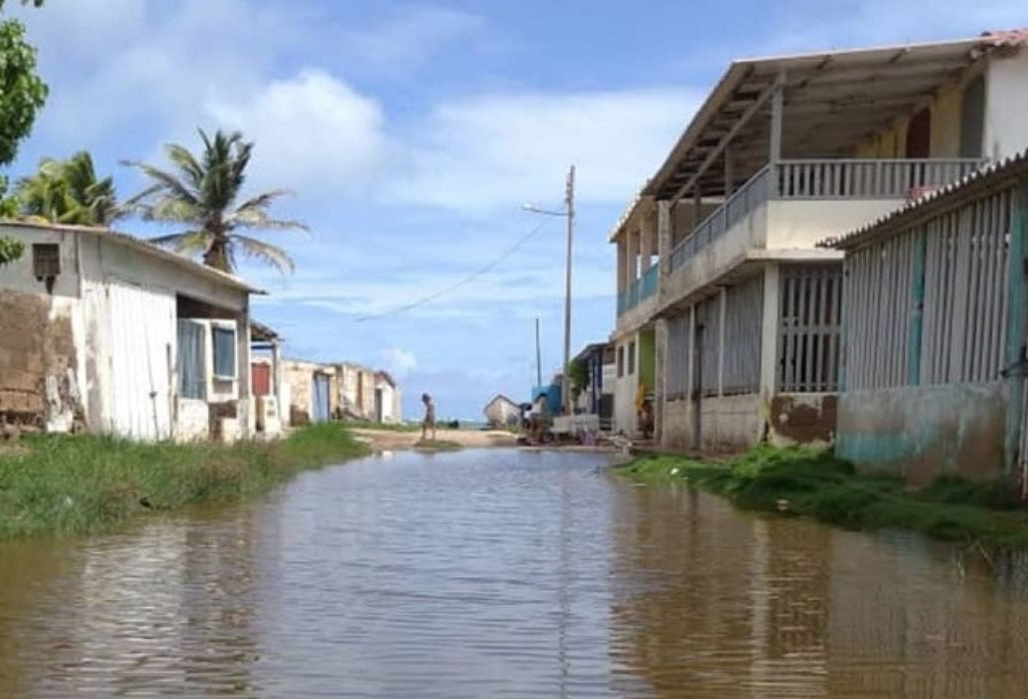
point(501, 412)
point(313, 392)
point(597, 398)
point(356, 385)
point(388, 399)
point(266, 380)
point(104, 332)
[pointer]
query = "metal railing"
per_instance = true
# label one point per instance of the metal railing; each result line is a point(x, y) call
point(823, 179)
point(639, 290)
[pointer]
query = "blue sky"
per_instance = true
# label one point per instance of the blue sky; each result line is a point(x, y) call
point(413, 132)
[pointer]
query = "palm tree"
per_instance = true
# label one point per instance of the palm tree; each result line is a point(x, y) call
point(201, 193)
point(67, 191)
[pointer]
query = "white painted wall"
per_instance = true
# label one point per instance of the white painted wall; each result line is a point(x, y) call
point(625, 388)
point(122, 302)
point(1006, 104)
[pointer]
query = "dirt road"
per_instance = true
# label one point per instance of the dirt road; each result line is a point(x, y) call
point(390, 440)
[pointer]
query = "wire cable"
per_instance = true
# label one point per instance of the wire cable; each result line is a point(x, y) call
point(463, 282)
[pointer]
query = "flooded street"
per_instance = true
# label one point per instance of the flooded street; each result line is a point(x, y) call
point(502, 574)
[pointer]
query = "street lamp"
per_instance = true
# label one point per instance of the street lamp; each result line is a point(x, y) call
point(569, 214)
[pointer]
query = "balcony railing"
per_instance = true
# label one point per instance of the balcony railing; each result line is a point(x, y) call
point(823, 179)
point(639, 290)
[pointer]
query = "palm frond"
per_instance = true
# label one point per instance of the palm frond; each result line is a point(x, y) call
point(264, 199)
point(170, 182)
point(266, 252)
point(187, 163)
point(186, 242)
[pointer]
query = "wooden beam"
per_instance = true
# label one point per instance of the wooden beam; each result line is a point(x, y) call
point(712, 156)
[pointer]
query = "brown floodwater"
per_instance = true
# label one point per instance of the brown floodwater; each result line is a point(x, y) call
point(504, 574)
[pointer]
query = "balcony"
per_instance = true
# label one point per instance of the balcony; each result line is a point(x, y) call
point(881, 184)
point(639, 290)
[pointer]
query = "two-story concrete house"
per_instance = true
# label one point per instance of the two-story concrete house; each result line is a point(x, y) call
point(729, 314)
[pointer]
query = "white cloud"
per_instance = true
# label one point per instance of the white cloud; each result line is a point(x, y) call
point(399, 362)
point(409, 37)
point(497, 150)
point(313, 133)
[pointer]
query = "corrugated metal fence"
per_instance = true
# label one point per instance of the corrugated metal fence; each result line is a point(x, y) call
point(955, 268)
point(744, 306)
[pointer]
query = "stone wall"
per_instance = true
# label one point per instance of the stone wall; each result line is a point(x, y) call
point(38, 366)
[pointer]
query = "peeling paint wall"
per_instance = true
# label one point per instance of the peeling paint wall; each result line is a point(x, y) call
point(802, 418)
point(921, 432)
point(39, 370)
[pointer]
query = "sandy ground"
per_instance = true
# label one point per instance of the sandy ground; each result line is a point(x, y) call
point(388, 440)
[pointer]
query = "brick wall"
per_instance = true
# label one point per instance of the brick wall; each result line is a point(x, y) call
point(38, 383)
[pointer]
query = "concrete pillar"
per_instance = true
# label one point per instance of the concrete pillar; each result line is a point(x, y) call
point(723, 314)
point(622, 273)
point(664, 237)
point(247, 414)
point(694, 420)
point(660, 354)
point(633, 254)
point(647, 234)
point(769, 339)
point(276, 371)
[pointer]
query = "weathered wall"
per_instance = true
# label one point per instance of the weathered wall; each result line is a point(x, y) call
point(730, 423)
point(924, 431)
point(676, 432)
point(802, 418)
point(1006, 103)
point(300, 377)
point(192, 420)
point(40, 387)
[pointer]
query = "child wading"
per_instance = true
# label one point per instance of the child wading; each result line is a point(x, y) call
point(429, 422)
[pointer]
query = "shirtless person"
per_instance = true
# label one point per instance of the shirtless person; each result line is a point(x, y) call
point(429, 421)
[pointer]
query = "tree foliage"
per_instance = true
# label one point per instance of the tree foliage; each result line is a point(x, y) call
point(22, 95)
point(201, 193)
point(579, 375)
point(67, 191)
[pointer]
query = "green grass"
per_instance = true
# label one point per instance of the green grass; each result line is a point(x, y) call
point(73, 485)
point(810, 482)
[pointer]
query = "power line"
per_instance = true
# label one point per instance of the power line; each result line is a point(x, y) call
point(463, 282)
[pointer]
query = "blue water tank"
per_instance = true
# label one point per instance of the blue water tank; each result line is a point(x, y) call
point(552, 393)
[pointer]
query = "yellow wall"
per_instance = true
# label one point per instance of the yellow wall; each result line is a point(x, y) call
point(890, 142)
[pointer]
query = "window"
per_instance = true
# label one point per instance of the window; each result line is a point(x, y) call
point(191, 359)
point(631, 358)
point(621, 361)
point(224, 352)
point(46, 262)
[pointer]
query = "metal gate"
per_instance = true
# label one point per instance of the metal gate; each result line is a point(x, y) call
point(320, 412)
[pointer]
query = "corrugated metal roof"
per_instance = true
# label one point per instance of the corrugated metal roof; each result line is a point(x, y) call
point(144, 247)
point(987, 176)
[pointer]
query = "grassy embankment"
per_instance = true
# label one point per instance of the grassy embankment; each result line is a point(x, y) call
point(73, 485)
point(814, 483)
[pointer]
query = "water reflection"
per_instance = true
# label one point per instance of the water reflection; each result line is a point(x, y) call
point(711, 603)
point(504, 574)
point(147, 611)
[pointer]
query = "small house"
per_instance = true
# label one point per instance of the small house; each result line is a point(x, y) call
point(313, 391)
point(104, 332)
point(387, 398)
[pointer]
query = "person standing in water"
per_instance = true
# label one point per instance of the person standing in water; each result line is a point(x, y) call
point(429, 422)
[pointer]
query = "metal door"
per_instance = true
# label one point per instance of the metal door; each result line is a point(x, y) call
point(143, 334)
point(320, 411)
point(261, 374)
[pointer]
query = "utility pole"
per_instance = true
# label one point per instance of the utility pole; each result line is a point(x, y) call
point(569, 200)
point(538, 357)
